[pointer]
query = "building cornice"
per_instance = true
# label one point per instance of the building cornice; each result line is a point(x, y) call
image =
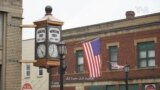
point(119, 27)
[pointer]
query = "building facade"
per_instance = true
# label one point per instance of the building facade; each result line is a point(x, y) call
point(10, 44)
point(35, 76)
point(134, 41)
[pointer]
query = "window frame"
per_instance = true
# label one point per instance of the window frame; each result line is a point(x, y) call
point(130, 86)
point(27, 70)
point(79, 53)
point(2, 28)
point(110, 53)
point(145, 46)
point(109, 87)
point(40, 71)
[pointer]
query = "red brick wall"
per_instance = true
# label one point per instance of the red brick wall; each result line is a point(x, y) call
point(66, 88)
point(127, 53)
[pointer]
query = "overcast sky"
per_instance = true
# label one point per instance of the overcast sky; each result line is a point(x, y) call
point(76, 13)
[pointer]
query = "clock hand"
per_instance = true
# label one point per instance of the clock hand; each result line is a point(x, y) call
point(41, 51)
point(52, 52)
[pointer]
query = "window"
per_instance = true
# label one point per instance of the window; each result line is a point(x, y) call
point(113, 55)
point(110, 87)
point(1, 28)
point(80, 61)
point(1, 35)
point(130, 87)
point(40, 71)
point(146, 54)
point(27, 70)
point(97, 87)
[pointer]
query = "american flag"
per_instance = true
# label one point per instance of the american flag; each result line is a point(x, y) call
point(92, 54)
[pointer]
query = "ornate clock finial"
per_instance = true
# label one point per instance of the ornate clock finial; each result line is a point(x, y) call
point(48, 10)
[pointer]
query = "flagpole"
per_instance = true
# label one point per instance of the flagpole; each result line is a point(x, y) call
point(86, 40)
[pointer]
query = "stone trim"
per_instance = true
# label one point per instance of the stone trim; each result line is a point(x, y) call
point(113, 44)
point(137, 81)
point(108, 32)
point(27, 61)
point(76, 49)
point(145, 40)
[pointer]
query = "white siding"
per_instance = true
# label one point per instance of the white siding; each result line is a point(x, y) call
point(37, 82)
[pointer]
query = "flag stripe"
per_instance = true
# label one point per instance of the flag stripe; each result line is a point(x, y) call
point(91, 63)
point(93, 60)
point(88, 57)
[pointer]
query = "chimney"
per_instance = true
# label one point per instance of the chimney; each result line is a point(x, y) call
point(130, 14)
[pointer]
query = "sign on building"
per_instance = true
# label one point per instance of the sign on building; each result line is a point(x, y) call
point(27, 86)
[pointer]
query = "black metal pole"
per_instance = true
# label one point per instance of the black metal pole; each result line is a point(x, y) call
point(61, 72)
point(126, 80)
point(49, 78)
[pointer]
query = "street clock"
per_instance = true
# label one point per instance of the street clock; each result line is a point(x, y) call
point(46, 41)
point(47, 38)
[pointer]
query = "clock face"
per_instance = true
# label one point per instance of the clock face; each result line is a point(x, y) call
point(54, 34)
point(52, 49)
point(41, 50)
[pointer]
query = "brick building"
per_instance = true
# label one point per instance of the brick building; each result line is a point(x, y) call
point(134, 40)
point(10, 44)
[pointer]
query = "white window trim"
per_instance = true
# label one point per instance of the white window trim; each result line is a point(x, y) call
point(112, 44)
point(145, 40)
point(27, 70)
point(39, 71)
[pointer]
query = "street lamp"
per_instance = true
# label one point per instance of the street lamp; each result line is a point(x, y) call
point(126, 69)
point(62, 51)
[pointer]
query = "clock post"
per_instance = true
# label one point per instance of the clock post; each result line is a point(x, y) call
point(47, 37)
